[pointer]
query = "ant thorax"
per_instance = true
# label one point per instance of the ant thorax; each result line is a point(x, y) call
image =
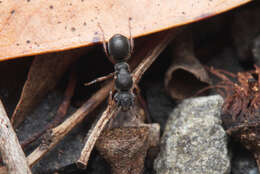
point(123, 78)
point(123, 83)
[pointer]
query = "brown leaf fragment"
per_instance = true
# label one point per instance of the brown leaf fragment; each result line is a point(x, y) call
point(186, 75)
point(45, 72)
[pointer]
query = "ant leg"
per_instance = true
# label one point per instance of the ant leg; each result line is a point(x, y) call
point(105, 45)
point(110, 99)
point(130, 34)
point(110, 103)
point(100, 79)
point(143, 103)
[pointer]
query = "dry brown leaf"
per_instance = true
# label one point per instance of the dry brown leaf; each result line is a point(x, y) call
point(186, 75)
point(38, 26)
point(44, 74)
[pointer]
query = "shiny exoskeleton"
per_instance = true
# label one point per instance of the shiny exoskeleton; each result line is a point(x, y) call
point(119, 50)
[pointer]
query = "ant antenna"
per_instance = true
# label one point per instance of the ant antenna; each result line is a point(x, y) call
point(130, 35)
point(104, 43)
point(99, 26)
point(103, 38)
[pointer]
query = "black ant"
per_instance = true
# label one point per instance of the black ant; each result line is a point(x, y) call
point(118, 50)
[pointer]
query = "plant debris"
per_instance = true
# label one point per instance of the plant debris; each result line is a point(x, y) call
point(241, 108)
point(125, 148)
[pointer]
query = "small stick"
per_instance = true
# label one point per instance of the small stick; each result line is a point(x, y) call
point(59, 132)
point(112, 109)
point(143, 104)
point(69, 93)
point(10, 149)
point(227, 73)
point(241, 126)
point(151, 56)
point(208, 88)
point(219, 75)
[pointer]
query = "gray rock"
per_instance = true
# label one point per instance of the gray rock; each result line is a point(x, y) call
point(256, 50)
point(194, 141)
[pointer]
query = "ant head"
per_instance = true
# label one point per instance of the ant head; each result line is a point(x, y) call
point(119, 48)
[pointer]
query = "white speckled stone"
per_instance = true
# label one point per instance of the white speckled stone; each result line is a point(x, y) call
point(194, 141)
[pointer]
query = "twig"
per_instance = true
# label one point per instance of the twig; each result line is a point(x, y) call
point(10, 149)
point(236, 128)
point(59, 132)
point(94, 134)
point(165, 38)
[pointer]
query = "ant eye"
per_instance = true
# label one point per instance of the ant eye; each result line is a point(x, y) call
point(119, 47)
